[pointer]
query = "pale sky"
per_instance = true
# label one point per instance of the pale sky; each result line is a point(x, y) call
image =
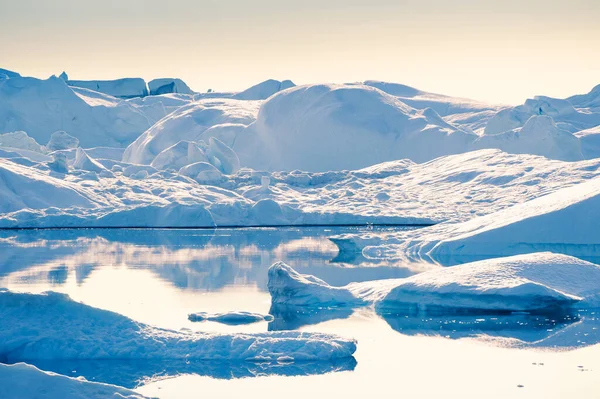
point(497, 51)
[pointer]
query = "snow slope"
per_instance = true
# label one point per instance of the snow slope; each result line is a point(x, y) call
point(539, 136)
point(335, 127)
point(23, 381)
point(567, 217)
point(538, 282)
point(264, 90)
point(52, 326)
point(572, 114)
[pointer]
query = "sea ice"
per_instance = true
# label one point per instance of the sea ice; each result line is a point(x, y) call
point(539, 282)
point(52, 326)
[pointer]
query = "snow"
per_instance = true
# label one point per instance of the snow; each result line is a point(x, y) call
point(188, 123)
point(52, 326)
point(123, 88)
point(168, 85)
point(455, 188)
point(42, 107)
point(566, 218)
point(264, 90)
point(179, 155)
point(230, 318)
point(538, 282)
point(20, 140)
point(24, 381)
point(539, 136)
point(317, 128)
point(84, 162)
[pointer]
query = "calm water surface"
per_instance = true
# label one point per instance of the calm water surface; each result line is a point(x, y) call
point(159, 276)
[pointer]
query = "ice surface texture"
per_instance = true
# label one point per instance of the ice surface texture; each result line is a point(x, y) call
point(539, 282)
point(52, 326)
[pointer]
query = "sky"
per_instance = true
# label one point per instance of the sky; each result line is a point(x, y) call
point(496, 51)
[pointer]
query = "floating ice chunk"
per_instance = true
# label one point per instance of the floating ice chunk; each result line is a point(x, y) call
point(24, 381)
point(231, 318)
point(264, 90)
point(62, 141)
point(537, 282)
point(84, 162)
point(52, 326)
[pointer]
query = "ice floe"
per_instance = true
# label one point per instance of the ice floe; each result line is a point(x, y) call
point(539, 282)
point(52, 326)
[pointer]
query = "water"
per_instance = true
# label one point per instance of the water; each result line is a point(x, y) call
point(159, 276)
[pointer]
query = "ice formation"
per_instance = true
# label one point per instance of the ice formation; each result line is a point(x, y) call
point(167, 86)
point(52, 326)
point(538, 282)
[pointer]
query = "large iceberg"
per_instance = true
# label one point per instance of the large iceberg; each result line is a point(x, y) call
point(52, 326)
point(539, 282)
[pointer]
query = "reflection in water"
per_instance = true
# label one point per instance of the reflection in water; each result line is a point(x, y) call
point(204, 260)
point(198, 268)
point(294, 317)
point(133, 373)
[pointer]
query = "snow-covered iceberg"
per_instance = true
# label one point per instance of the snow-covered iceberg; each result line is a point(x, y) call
point(123, 88)
point(189, 123)
point(52, 326)
point(24, 381)
point(539, 282)
point(336, 127)
point(167, 86)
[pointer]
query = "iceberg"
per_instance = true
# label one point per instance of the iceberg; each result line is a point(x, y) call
point(536, 283)
point(122, 88)
point(168, 85)
point(52, 326)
